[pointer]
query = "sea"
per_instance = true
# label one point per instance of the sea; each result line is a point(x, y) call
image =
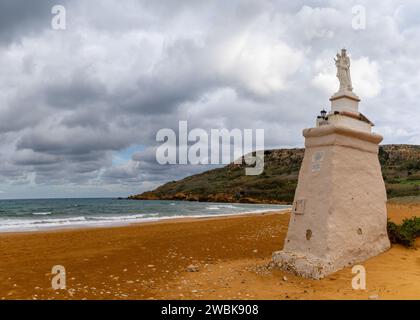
point(44, 214)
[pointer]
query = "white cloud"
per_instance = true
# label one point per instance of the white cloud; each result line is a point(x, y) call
point(260, 62)
point(325, 78)
point(318, 23)
point(365, 77)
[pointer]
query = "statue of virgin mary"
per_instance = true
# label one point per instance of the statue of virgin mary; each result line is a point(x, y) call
point(342, 62)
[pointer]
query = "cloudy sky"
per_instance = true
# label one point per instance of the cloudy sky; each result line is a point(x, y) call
point(80, 107)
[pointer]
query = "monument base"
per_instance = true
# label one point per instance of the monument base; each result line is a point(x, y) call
point(309, 266)
point(303, 265)
point(339, 215)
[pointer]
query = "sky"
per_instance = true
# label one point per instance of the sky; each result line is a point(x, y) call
point(80, 107)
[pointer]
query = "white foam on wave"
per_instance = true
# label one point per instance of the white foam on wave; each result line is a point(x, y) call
point(213, 208)
point(42, 213)
point(222, 206)
point(24, 225)
point(123, 218)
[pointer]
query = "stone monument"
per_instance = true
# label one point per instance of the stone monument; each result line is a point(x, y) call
point(339, 215)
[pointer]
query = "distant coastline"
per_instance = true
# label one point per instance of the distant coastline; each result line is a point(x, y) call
point(400, 168)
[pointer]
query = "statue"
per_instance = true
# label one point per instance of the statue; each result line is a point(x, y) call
point(343, 71)
point(339, 213)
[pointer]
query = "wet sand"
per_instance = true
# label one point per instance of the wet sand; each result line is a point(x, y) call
point(149, 261)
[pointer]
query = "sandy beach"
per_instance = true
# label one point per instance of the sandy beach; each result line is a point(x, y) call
point(149, 261)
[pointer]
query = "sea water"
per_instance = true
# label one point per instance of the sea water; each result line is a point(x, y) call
point(42, 214)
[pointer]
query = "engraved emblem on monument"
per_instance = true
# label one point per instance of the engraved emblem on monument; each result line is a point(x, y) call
point(299, 207)
point(317, 159)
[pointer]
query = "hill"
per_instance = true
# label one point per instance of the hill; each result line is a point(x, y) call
point(400, 168)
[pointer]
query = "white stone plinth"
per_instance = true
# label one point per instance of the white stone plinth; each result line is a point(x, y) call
point(339, 215)
point(345, 101)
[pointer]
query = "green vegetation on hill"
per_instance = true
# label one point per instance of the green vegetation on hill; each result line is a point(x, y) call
point(405, 233)
point(400, 168)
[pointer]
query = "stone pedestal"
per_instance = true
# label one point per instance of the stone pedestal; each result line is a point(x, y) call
point(345, 101)
point(339, 214)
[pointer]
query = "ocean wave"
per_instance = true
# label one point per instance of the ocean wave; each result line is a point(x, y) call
point(44, 220)
point(223, 206)
point(126, 217)
point(13, 225)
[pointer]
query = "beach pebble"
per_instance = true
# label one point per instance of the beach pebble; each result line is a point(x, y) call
point(374, 297)
point(255, 251)
point(193, 268)
point(285, 278)
point(151, 266)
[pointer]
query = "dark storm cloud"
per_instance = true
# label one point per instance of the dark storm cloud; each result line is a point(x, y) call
point(76, 142)
point(24, 18)
point(78, 91)
point(72, 102)
point(30, 158)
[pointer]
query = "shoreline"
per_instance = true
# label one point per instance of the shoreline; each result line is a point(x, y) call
point(146, 221)
point(413, 207)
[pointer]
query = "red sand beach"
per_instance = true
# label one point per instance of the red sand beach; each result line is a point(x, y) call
point(150, 261)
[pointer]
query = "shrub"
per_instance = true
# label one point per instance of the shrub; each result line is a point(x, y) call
point(405, 233)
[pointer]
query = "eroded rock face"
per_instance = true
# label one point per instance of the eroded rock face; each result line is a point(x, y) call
point(277, 183)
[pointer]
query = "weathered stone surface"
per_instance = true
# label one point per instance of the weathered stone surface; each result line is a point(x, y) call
point(339, 215)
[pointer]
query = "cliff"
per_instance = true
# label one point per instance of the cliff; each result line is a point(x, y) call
point(400, 168)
